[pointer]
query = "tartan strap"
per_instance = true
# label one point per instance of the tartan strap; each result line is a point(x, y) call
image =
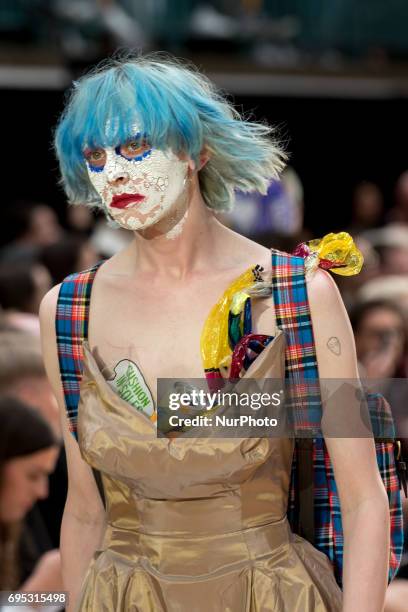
point(71, 326)
point(314, 506)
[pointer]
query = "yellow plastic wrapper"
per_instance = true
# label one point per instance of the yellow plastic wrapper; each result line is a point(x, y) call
point(215, 349)
point(338, 250)
point(238, 302)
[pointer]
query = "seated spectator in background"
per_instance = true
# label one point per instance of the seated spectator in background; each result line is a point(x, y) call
point(367, 207)
point(399, 213)
point(381, 335)
point(80, 219)
point(30, 226)
point(28, 452)
point(22, 287)
point(70, 254)
point(394, 286)
point(394, 252)
point(22, 376)
point(380, 332)
point(391, 243)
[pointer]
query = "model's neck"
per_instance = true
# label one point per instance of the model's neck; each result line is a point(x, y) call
point(182, 243)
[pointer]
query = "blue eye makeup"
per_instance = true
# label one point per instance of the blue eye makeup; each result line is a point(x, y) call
point(134, 149)
point(96, 159)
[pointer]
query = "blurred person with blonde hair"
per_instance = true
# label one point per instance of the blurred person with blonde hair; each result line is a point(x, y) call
point(393, 286)
point(22, 374)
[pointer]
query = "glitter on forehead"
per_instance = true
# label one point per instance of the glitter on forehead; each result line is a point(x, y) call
point(112, 126)
point(111, 120)
point(112, 131)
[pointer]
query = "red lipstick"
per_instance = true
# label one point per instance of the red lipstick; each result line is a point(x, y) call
point(123, 199)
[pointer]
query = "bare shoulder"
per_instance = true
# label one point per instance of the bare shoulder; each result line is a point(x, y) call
point(49, 302)
point(252, 251)
point(333, 334)
point(323, 292)
point(332, 331)
point(47, 314)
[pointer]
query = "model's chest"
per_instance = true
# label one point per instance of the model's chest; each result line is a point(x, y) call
point(159, 328)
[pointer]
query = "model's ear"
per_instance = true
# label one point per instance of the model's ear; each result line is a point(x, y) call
point(202, 160)
point(204, 157)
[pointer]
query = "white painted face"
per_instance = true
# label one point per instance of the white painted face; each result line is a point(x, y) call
point(138, 185)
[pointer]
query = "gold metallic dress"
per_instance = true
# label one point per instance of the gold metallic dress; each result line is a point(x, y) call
point(194, 524)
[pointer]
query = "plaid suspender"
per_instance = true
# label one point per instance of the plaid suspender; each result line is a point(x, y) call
point(71, 324)
point(321, 521)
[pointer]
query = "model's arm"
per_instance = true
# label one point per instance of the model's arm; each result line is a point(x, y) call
point(363, 498)
point(83, 521)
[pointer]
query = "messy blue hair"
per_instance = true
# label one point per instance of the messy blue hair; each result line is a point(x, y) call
point(177, 108)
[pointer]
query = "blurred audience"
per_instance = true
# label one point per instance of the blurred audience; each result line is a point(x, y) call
point(22, 376)
point(22, 287)
point(72, 253)
point(28, 452)
point(274, 219)
point(80, 219)
point(108, 239)
point(367, 207)
point(380, 331)
point(393, 286)
point(391, 243)
point(30, 226)
point(279, 211)
point(399, 213)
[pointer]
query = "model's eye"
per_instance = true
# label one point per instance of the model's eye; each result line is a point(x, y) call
point(134, 148)
point(95, 157)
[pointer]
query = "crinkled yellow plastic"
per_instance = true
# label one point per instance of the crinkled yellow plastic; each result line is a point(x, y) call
point(238, 302)
point(341, 250)
point(215, 349)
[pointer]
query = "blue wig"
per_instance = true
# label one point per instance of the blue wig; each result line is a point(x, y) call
point(178, 109)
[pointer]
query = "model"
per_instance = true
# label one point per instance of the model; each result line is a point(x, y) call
point(190, 523)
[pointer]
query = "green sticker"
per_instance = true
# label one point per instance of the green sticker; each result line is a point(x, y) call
point(130, 385)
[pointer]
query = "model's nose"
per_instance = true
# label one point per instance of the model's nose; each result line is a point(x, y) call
point(118, 175)
point(115, 171)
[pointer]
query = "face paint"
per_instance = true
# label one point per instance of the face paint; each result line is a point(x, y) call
point(138, 185)
point(177, 228)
